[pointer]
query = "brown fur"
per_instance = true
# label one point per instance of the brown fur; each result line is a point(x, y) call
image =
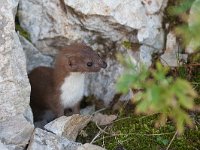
point(45, 82)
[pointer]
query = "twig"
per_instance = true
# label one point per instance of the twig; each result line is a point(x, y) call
point(121, 119)
point(99, 111)
point(97, 135)
point(197, 64)
point(147, 116)
point(153, 134)
point(102, 130)
point(172, 140)
point(139, 134)
point(197, 122)
point(103, 142)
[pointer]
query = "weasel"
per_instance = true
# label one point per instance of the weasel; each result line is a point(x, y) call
point(62, 87)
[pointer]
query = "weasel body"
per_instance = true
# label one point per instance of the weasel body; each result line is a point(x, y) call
point(62, 87)
point(73, 84)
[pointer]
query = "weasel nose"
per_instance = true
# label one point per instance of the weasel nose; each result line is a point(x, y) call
point(104, 64)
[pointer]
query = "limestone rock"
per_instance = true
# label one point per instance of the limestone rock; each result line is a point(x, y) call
point(88, 146)
point(172, 56)
point(102, 120)
point(154, 6)
point(15, 132)
point(43, 140)
point(171, 45)
point(3, 147)
point(68, 127)
point(89, 110)
point(14, 85)
point(103, 25)
point(45, 26)
point(102, 84)
point(34, 57)
point(173, 60)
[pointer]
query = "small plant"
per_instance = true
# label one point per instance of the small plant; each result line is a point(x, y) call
point(19, 29)
point(159, 93)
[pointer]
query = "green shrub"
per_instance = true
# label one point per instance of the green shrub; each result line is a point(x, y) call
point(158, 93)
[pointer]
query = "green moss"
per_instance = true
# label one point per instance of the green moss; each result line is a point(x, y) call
point(22, 32)
point(138, 132)
point(91, 130)
point(19, 29)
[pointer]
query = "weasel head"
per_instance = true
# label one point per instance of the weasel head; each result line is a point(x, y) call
point(80, 58)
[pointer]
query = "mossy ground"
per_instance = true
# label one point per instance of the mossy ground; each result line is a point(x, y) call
point(138, 132)
point(131, 131)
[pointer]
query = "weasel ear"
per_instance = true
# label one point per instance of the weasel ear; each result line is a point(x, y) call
point(71, 63)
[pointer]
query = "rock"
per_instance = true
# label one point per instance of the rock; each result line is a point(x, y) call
point(88, 146)
point(171, 45)
point(173, 60)
point(89, 110)
point(127, 97)
point(43, 140)
point(15, 114)
point(34, 58)
point(68, 127)
point(154, 6)
point(14, 85)
point(103, 25)
point(43, 24)
point(2, 146)
point(102, 120)
point(102, 84)
point(15, 132)
point(172, 56)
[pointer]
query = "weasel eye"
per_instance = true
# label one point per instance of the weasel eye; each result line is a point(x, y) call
point(89, 64)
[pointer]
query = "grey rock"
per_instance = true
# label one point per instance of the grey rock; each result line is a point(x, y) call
point(28, 114)
point(88, 146)
point(14, 85)
point(174, 59)
point(127, 97)
point(102, 119)
point(34, 57)
point(15, 113)
point(68, 127)
point(2, 146)
point(15, 132)
point(43, 140)
point(89, 110)
point(154, 6)
point(102, 84)
point(172, 56)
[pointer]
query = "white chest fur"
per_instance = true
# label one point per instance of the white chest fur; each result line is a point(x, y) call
point(72, 89)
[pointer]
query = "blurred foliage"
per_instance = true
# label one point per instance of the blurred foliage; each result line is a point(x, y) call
point(189, 31)
point(158, 93)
